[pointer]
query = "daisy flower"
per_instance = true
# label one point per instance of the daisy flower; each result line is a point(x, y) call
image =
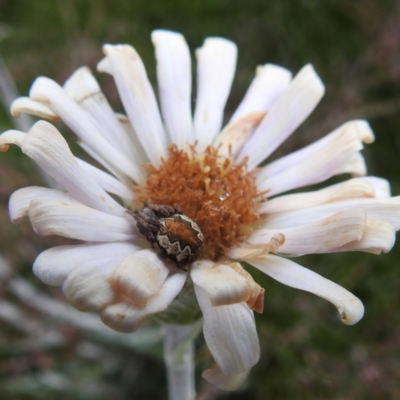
point(185, 202)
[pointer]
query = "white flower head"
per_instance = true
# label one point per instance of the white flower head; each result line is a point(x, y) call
point(209, 174)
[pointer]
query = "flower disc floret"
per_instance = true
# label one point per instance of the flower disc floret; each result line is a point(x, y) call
point(219, 195)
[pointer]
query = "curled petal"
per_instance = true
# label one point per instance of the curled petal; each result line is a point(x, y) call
point(174, 78)
point(11, 137)
point(316, 162)
point(89, 288)
point(378, 236)
point(77, 221)
point(247, 250)
point(52, 266)
point(380, 185)
point(386, 209)
point(230, 334)
point(138, 98)
point(294, 105)
point(235, 134)
point(140, 276)
point(216, 64)
point(126, 317)
point(355, 166)
point(268, 84)
point(46, 146)
point(256, 299)
point(20, 200)
point(353, 188)
point(49, 92)
point(221, 283)
point(318, 237)
point(215, 376)
point(84, 89)
point(33, 107)
point(294, 275)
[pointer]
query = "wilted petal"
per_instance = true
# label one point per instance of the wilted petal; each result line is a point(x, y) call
point(386, 209)
point(138, 98)
point(76, 221)
point(140, 276)
point(126, 317)
point(235, 134)
point(11, 137)
point(380, 185)
point(295, 104)
point(216, 64)
point(230, 334)
point(353, 188)
point(84, 89)
point(294, 275)
point(354, 166)
point(314, 163)
point(46, 146)
point(268, 84)
point(174, 78)
point(21, 198)
point(318, 237)
point(52, 266)
point(107, 181)
point(221, 283)
point(33, 107)
point(49, 92)
point(89, 288)
point(378, 236)
point(215, 376)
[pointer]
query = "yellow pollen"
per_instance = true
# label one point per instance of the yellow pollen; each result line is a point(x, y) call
point(219, 195)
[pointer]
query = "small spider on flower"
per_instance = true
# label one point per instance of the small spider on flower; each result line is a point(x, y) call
point(167, 229)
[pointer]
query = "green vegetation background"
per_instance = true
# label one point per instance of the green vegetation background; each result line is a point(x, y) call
point(306, 352)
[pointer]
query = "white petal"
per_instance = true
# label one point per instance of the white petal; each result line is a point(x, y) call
point(386, 209)
point(89, 288)
point(128, 128)
point(138, 98)
point(125, 317)
point(353, 188)
point(235, 134)
point(230, 334)
point(174, 76)
point(380, 185)
point(45, 145)
point(11, 137)
point(33, 107)
point(223, 285)
point(314, 163)
point(52, 266)
point(294, 105)
point(21, 198)
point(294, 275)
point(355, 166)
point(318, 237)
point(107, 181)
point(49, 92)
point(140, 276)
point(378, 236)
point(216, 64)
point(77, 221)
point(268, 84)
point(215, 376)
point(84, 89)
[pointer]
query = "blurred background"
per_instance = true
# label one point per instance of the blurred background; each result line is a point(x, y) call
point(49, 350)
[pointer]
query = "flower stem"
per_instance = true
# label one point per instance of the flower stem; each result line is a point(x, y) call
point(179, 360)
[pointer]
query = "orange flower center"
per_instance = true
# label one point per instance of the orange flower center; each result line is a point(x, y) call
point(220, 196)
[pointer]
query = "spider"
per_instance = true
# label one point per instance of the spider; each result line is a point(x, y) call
point(167, 229)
